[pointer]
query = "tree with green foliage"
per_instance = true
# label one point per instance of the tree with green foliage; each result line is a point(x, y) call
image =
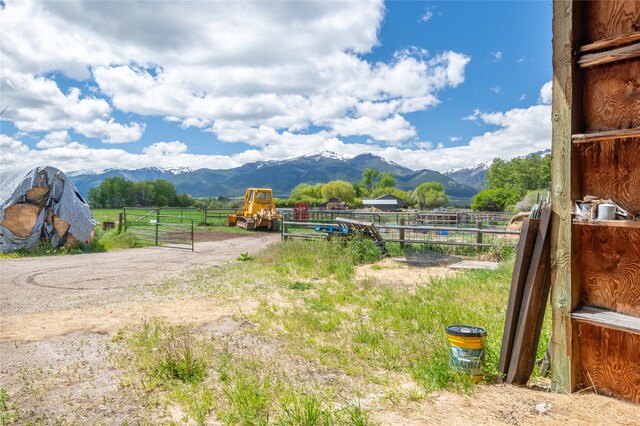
point(117, 193)
point(494, 199)
point(368, 178)
point(520, 174)
point(430, 195)
point(304, 192)
point(387, 180)
point(338, 189)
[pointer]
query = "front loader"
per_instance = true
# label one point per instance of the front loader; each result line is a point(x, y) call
point(258, 211)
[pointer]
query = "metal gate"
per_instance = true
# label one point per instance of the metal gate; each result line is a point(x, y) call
point(155, 228)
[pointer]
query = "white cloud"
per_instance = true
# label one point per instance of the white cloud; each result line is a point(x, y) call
point(546, 93)
point(428, 14)
point(496, 89)
point(455, 138)
point(199, 62)
point(474, 116)
point(257, 73)
point(54, 140)
point(497, 55)
point(36, 104)
point(522, 97)
point(517, 132)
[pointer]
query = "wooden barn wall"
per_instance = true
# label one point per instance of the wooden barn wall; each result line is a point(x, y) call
point(605, 19)
point(610, 361)
point(612, 171)
point(610, 267)
point(611, 96)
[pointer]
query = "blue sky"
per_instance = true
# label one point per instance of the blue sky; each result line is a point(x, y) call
point(438, 85)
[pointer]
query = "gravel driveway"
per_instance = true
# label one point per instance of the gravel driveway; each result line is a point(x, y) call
point(43, 284)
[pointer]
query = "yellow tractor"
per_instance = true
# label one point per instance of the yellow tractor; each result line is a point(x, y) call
point(258, 211)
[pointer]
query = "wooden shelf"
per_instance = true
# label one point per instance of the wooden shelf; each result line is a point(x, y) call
point(608, 135)
point(616, 223)
point(607, 319)
point(613, 55)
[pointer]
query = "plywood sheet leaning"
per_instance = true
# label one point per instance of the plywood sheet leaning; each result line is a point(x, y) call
point(520, 272)
point(534, 302)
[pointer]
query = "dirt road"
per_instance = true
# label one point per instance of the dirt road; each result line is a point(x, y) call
point(44, 284)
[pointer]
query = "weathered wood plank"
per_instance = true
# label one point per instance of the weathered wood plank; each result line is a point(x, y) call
point(619, 54)
point(611, 96)
point(610, 361)
point(604, 136)
point(534, 302)
point(611, 18)
point(518, 279)
point(608, 319)
point(612, 171)
point(611, 42)
point(610, 265)
point(565, 121)
point(616, 223)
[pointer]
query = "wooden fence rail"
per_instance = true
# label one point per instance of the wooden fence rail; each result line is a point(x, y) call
point(479, 236)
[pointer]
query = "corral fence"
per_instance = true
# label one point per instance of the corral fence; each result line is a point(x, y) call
point(479, 230)
point(157, 227)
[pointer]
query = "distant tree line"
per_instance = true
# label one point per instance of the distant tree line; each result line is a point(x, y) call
point(508, 182)
point(117, 192)
point(372, 185)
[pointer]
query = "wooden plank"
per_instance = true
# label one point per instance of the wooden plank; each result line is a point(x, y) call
point(611, 96)
point(619, 54)
point(608, 319)
point(610, 361)
point(534, 302)
point(610, 265)
point(607, 19)
point(611, 42)
point(518, 279)
point(565, 120)
point(605, 136)
point(611, 171)
point(617, 223)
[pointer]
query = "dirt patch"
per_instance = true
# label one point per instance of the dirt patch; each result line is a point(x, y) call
point(46, 284)
point(399, 274)
point(509, 405)
point(108, 319)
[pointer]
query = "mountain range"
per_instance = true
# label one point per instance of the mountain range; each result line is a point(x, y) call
point(281, 176)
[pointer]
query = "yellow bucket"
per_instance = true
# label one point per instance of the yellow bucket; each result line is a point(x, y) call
point(467, 344)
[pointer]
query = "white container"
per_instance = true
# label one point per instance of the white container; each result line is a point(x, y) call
point(607, 211)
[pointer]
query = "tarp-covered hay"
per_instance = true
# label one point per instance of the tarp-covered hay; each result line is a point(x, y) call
point(42, 203)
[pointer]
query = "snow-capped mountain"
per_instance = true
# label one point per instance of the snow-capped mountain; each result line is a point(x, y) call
point(281, 175)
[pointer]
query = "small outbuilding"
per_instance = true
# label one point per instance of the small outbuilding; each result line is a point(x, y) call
point(41, 203)
point(386, 202)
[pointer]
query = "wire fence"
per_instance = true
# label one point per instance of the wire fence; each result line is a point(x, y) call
point(156, 227)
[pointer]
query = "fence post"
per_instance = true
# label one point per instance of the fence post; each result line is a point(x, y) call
point(192, 237)
point(120, 223)
point(204, 216)
point(402, 233)
point(157, 224)
point(285, 226)
point(479, 236)
point(124, 212)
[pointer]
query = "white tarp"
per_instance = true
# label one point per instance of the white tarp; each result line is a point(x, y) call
point(63, 199)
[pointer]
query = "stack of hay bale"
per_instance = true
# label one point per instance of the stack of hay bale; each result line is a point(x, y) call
point(42, 203)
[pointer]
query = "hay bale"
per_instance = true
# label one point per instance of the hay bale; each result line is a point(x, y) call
point(60, 226)
point(37, 195)
point(21, 218)
point(515, 224)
